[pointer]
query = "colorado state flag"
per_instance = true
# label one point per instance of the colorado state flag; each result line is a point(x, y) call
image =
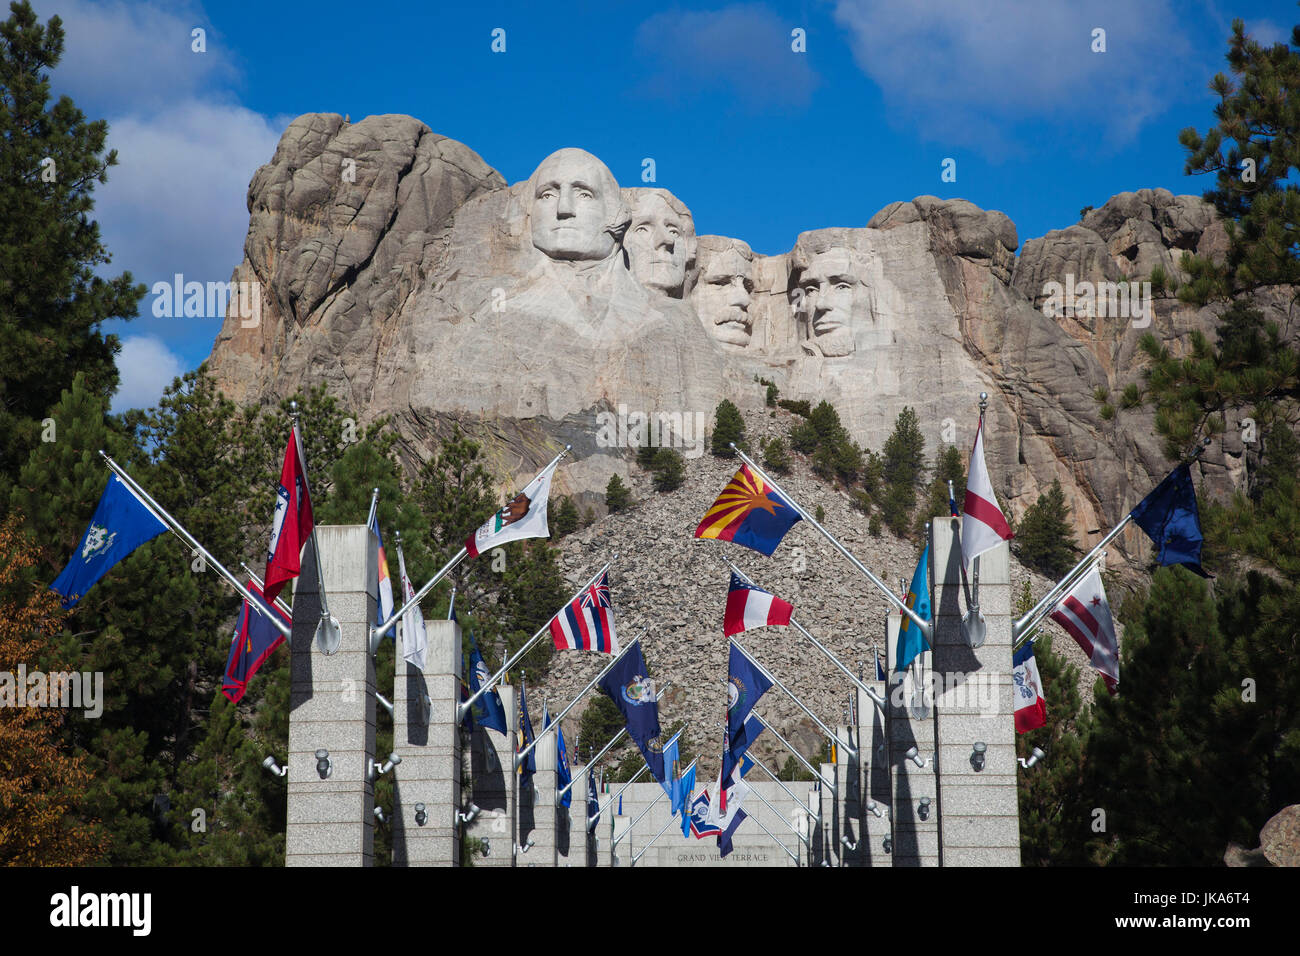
point(749, 512)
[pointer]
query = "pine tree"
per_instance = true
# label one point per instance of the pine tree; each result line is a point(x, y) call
point(669, 470)
point(51, 300)
point(775, 456)
point(600, 721)
point(1044, 538)
point(729, 427)
point(566, 518)
point(617, 496)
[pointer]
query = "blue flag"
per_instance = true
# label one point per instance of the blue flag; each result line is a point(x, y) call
point(562, 774)
point(880, 668)
point(911, 641)
point(671, 756)
point(593, 802)
point(633, 693)
point(121, 524)
point(529, 766)
point(1170, 518)
point(488, 709)
point(745, 685)
point(683, 787)
point(748, 734)
point(724, 839)
point(256, 638)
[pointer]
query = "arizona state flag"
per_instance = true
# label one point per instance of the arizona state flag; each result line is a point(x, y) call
point(293, 520)
point(256, 638)
point(749, 512)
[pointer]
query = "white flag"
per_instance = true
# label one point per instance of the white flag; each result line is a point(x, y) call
point(415, 640)
point(982, 523)
point(1085, 614)
point(523, 517)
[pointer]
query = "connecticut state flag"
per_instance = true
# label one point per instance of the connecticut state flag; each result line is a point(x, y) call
point(1031, 706)
point(750, 606)
point(256, 638)
point(293, 520)
point(121, 523)
point(749, 512)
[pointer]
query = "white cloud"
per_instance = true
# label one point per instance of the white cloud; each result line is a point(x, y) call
point(146, 367)
point(968, 73)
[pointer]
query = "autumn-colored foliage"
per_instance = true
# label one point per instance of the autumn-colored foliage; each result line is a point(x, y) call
point(41, 785)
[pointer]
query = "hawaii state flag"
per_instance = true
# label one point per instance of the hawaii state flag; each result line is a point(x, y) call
point(293, 520)
point(524, 516)
point(256, 639)
point(748, 512)
point(587, 623)
point(750, 606)
point(1031, 706)
point(983, 525)
point(1085, 615)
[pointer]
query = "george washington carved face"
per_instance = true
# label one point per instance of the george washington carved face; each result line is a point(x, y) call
point(577, 212)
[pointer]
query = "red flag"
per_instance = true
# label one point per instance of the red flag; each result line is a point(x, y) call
point(983, 525)
point(293, 520)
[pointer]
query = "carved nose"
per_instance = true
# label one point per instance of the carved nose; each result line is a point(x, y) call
point(664, 239)
point(564, 208)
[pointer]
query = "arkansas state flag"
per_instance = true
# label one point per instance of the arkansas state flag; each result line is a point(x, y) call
point(1085, 614)
point(293, 520)
point(982, 523)
point(256, 639)
point(1031, 706)
point(748, 512)
point(750, 606)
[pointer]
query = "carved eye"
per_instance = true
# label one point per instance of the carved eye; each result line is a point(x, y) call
point(642, 228)
point(674, 233)
point(546, 194)
point(584, 194)
point(843, 286)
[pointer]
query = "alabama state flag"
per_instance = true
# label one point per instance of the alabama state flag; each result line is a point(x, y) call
point(293, 520)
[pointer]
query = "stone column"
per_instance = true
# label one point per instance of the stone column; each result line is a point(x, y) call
point(426, 735)
point(979, 813)
point(915, 842)
point(537, 821)
point(848, 802)
point(829, 829)
point(494, 786)
point(618, 844)
point(571, 826)
point(876, 788)
point(330, 821)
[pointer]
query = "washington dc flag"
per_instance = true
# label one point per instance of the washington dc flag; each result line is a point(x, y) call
point(750, 606)
point(1085, 614)
point(749, 512)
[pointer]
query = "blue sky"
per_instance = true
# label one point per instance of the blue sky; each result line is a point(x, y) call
point(760, 141)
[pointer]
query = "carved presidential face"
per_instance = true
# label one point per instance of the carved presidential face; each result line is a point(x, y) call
point(722, 296)
point(576, 207)
point(829, 289)
point(658, 244)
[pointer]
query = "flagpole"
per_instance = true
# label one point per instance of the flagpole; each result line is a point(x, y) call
point(788, 852)
point(869, 691)
point(374, 507)
point(257, 579)
point(645, 849)
point(793, 829)
point(642, 769)
point(329, 634)
point(528, 645)
point(161, 514)
point(446, 569)
point(798, 756)
point(1024, 629)
point(523, 754)
point(789, 693)
point(890, 595)
point(592, 761)
point(451, 605)
point(649, 806)
point(780, 783)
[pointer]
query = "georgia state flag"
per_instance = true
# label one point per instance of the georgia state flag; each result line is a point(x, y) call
point(749, 606)
point(1031, 706)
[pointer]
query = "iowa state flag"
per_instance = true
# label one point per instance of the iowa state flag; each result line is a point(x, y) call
point(750, 606)
point(1031, 706)
point(293, 520)
point(256, 639)
point(749, 512)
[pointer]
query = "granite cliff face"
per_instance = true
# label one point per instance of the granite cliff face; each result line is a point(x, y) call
point(401, 270)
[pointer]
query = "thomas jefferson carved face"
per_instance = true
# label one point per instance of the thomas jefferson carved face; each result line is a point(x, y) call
point(722, 294)
point(659, 243)
point(829, 288)
point(577, 212)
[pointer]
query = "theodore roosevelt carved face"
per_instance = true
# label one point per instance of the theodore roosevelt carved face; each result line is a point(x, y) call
point(722, 292)
point(577, 211)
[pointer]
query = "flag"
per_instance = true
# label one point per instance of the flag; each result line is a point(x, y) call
point(746, 763)
point(1085, 615)
point(880, 668)
point(120, 524)
point(671, 769)
point(750, 606)
point(740, 746)
point(911, 640)
point(633, 692)
point(256, 638)
point(745, 685)
point(748, 512)
point(562, 774)
point(593, 802)
point(292, 524)
point(1031, 706)
point(529, 766)
point(734, 793)
point(384, 606)
point(415, 637)
point(982, 522)
point(724, 838)
point(683, 790)
point(523, 517)
point(1170, 518)
point(587, 622)
point(952, 503)
point(700, 825)
point(488, 709)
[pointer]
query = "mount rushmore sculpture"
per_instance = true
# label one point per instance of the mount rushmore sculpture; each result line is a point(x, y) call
point(425, 288)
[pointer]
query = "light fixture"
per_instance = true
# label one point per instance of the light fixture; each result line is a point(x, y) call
point(487, 846)
point(384, 702)
point(379, 814)
point(977, 755)
point(1034, 756)
point(523, 847)
point(923, 809)
point(324, 766)
point(378, 770)
point(468, 814)
point(421, 815)
point(873, 807)
point(850, 845)
point(888, 844)
point(914, 755)
point(274, 767)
